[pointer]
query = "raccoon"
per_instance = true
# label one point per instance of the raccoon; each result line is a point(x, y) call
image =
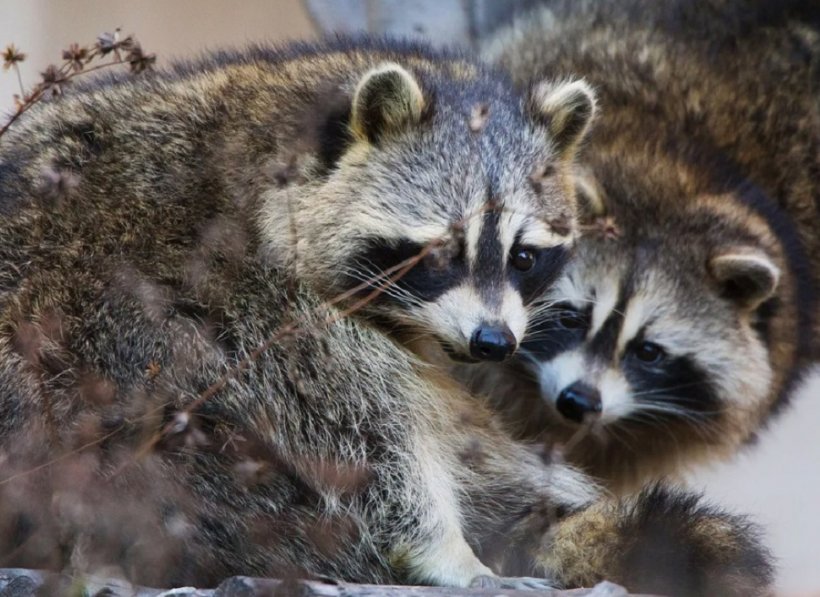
point(174, 223)
point(212, 341)
point(689, 313)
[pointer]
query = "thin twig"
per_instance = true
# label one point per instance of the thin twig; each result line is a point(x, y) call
point(74, 65)
point(20, 80)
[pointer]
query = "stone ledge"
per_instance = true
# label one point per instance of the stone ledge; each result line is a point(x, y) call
point(18, 582)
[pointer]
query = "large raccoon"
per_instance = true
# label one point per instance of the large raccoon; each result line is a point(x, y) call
point(204, 362)
point(689, 314)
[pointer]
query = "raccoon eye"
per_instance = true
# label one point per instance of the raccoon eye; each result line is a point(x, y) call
point(571, 320)
point(649, 352)
point(523, 259)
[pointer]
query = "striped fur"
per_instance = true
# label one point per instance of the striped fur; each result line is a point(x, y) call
point(206, 207)
point(702, 210)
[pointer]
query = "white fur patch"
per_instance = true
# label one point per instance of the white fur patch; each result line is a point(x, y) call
point(473, 225)
point(571, 487)
point(637, 313)
point(444, 558)
point(510, 223)
point(555, 375)
point(513, 313)
point(603, 307)
point(567, 289)
point(449, 561)
point(616, 396)
point(457, 313)
point(531, 230)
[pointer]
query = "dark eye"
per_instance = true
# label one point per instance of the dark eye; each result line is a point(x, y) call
point(649, 352)
point(522, 259)
point(571, 320)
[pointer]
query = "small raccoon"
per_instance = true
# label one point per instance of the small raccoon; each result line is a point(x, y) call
point(689, 312)
point(159, 231)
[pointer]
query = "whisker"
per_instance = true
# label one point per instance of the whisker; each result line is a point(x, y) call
point(667, 389)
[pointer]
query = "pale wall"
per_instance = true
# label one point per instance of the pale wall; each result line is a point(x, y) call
point(169, 28)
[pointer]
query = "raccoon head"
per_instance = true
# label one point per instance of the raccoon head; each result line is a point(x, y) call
point(655, 340)
point(450, 208)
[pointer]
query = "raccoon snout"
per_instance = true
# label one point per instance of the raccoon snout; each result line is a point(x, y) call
point(492, 343)
point(577, 401)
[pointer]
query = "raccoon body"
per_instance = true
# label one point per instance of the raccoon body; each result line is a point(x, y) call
point(689, 314)
point(183, 261)
point(202, 371)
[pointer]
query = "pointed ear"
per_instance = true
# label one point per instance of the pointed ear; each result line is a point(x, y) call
point(746, 275)
point(388, 100)
point(566, 108)
point(589, 194)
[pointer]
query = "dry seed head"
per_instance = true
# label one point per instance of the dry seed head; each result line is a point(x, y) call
point(12, 56)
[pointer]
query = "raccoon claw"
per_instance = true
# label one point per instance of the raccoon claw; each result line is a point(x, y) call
point(518, 583)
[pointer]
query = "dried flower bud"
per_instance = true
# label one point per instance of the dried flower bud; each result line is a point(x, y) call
point(152, 370)
point(11, 56)
point(53, 81)
point(76, 56)
point(139, 60)
point(107, 42)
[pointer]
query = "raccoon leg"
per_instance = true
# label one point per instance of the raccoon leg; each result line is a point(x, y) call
point(510, 498)
point(480, 496)
point(443, 557)
point(663, 541)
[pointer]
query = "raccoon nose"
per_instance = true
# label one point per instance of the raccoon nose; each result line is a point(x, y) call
point(492, 343)
point(578, 400)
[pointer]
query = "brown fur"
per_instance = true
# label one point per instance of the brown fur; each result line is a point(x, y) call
point(709, 140)
point(147, 250)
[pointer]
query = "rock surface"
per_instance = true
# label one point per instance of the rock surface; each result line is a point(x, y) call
point(16, 582)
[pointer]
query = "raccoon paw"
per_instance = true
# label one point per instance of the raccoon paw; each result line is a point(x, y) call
point(519, 583)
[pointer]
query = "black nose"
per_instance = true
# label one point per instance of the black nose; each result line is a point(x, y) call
point(492, 343)
point(578, 400)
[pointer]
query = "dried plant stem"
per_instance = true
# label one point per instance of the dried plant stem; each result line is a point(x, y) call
point(19, 80)
point(41, 90)
point(76, 61)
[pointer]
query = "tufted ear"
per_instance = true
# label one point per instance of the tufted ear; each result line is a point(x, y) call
point(746, 275)
point(589, 194)
point(566, 108)
point(388, 100)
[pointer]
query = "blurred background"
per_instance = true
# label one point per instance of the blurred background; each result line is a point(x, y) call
point(776, 481)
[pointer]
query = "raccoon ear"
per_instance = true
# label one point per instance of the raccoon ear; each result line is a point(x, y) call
point(388, 99)
point(566, 108)
point(746, 276)
point(589, 194)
